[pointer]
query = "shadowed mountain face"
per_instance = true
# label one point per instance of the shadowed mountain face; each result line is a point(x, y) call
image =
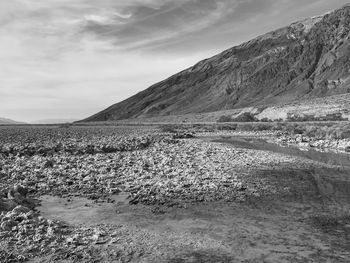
point(307, 59)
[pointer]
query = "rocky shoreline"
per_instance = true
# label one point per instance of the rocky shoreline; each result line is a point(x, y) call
point(287, 139)
point(302, 141)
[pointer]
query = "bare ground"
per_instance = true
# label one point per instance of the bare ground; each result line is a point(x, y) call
point(285, 208)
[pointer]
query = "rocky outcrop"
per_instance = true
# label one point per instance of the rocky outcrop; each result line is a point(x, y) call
point(308, 59)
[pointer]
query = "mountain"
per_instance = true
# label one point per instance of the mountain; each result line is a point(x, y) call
point(8, 121)
point(305, 60)
point(54, 121)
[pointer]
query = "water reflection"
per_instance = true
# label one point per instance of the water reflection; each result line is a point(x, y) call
point(331, 158)
point(324, 184)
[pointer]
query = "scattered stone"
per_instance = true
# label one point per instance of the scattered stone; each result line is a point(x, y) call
point(49, 164)
point(158, 169)
point(316, 143)
point(21, 209)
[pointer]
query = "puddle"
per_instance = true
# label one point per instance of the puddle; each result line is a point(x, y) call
point(268, 231)
point(78, 210)
point(331, 158)
point(82, 211)
point(325, 185)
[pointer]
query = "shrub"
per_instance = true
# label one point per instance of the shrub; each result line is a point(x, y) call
point(340, 134)
point(311, 131)
point(66, 125)
point(243, 117)
point(228, 127)
point(263, 127)
point(345, 134)
point(225, 119)
point(169, 128)
point(306, 117)
point(245, 127)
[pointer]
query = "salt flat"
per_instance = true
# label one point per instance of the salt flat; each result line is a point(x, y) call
point(149, 194)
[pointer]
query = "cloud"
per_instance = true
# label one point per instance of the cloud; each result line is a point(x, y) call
point(148, 25)
point(68, 59)
point(75, 82)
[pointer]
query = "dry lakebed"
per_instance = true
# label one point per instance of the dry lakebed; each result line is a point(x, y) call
point(142, 194)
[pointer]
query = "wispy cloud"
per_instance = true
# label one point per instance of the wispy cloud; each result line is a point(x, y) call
point(64, 58)
point(148, 25)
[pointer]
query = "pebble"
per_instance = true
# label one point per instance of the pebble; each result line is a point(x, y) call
point(152, 168)
point(316, 143)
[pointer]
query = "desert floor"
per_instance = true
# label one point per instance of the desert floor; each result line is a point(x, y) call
point(143, 194)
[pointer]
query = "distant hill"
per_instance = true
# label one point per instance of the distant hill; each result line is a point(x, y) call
point(54, 121)
point(9, 121)
point(305, 60)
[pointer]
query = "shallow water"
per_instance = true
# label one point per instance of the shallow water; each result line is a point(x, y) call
point(327, 185)
point(331, 158)
point(279, 229)
point(80, 210)
point(260, 230)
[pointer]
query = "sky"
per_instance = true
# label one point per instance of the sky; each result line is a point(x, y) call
point(73, 58)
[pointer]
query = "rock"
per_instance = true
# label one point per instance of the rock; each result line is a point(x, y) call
point(8, 225)
point(21, 209)
point(17, 192)
point(49, 164)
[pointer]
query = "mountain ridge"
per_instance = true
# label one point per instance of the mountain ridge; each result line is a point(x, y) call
point(9, 121)
point(54, 121)
point(307, 59)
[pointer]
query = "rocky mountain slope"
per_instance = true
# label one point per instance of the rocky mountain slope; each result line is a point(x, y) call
point(308, 59)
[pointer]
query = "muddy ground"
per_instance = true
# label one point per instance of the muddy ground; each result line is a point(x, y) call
point(141, 195)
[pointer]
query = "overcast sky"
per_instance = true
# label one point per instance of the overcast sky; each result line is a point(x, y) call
point(72, 58)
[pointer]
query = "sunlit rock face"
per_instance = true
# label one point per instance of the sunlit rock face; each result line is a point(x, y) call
point(308, 59)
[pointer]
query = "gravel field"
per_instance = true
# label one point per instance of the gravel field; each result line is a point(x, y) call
point(182, 195)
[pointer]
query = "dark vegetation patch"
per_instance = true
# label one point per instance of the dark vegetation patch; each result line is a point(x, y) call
point(332, 224)
point(244, 117)
point(291, 117)
point(317, 130)
point(309, 117)
point(177, 131)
